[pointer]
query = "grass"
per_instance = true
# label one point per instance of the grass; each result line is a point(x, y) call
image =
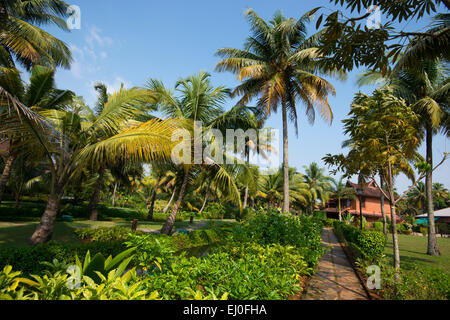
point(18, 233)
point(413, 251)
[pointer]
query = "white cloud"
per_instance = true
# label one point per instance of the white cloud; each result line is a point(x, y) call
point(85, 57)
point(95, 39)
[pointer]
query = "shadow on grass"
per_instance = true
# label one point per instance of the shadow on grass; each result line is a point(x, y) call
point(18, 234)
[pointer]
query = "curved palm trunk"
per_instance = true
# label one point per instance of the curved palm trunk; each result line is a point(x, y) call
point(383, 212)
point(433, 249)
point(171, 200)
point(5, 175)
point(96, 196)
point(285, 161)
point(245, 197)
point(152, 203)
point(44, 230)
point(114, 195)
point(168, 225)
point(205, 201)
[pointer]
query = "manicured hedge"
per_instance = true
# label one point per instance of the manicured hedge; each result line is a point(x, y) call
point(366, 244)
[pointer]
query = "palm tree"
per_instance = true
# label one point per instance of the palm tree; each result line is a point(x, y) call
point(118, 110)
point(21, 38)
point(418, 196)
point(39, 94)
point(198, 102)
point(271, 189)
point(279, 66)
point(341, 191)
point(318, 183)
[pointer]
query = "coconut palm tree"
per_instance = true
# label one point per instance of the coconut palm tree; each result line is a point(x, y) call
point(319, 184)
point(341, 191)
point(271, 189)
point(418, 196)
point(39, 94)
point(66, 138)
point(118, 109)
point(21, 38)
point(279, 66)
point(197, 102)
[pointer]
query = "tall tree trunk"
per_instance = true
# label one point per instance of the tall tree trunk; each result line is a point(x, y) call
point(152, 203)
point(44, 230)
point(340, 210)
point(171, 200)
point(383, 212)
point(5, 175)
point(285, 160)
point(93, 206)
point(394, 224)
point(245, 197)
point(114, 195)
point(433, 249)
point(168, 225)
point(205, 201)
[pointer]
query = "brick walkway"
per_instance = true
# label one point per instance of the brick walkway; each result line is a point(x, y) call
point(335, 278)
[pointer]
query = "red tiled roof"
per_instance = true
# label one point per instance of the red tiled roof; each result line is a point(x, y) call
point(371, 190)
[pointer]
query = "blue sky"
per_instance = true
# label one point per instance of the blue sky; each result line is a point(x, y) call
point(130, 42)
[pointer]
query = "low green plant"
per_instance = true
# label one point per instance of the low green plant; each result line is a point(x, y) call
point(366, 244)
point(271, 227)
point(99, 265)
point(29, 258)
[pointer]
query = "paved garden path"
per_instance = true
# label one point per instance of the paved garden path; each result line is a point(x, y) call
point(335, 278)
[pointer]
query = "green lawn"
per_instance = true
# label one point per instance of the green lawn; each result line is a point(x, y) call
point(413, 250)
point(18, 233)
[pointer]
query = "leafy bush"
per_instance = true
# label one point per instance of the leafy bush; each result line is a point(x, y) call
point(28, 258)
point(418, 283)
point(368, 245)
point(243, 271)
point(321, 215)
point(271, 227)
point(377, 226)
point(423, 230)
point(54, 286)
point(214, 210)
point(105, 234)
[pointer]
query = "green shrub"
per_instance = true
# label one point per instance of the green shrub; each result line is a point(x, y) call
point(321, 215)
point(244, 271)
point(423, 230)
point(29, 258)
point(104, 234)
point(214, 210)
point(54, 286)
point(368, 245)
point(271, 227)
point(377, 226)
point(418, 283)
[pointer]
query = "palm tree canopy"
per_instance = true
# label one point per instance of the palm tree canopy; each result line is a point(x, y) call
point(279, 66)
point(23, 40)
